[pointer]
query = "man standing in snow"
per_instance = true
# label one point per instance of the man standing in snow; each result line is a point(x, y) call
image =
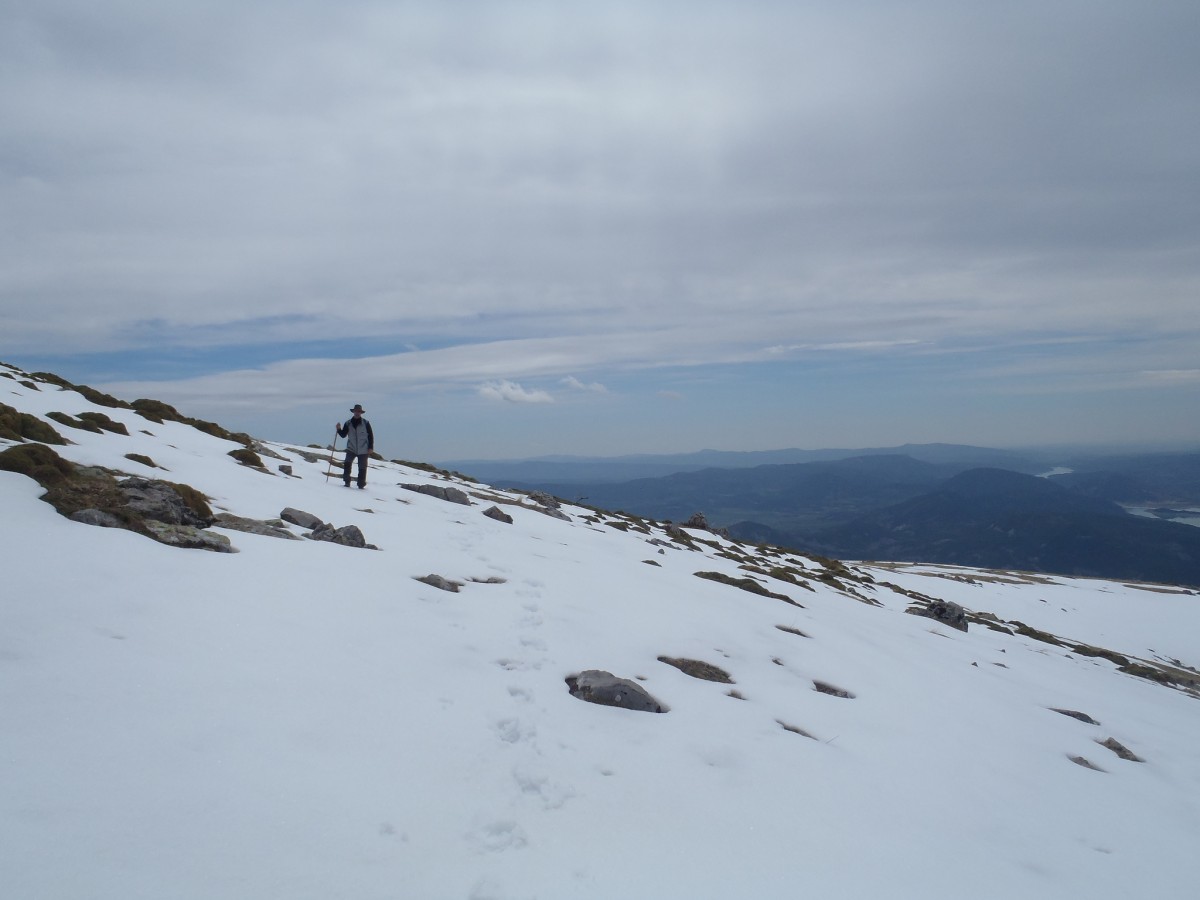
point(360, 441)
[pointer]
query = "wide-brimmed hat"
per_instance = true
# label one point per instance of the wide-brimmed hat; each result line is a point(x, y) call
point(357, 408)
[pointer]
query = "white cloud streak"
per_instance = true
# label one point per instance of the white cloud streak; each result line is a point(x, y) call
point(575, 384)
point(511, 392)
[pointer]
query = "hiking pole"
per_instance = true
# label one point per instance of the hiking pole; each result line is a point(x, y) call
point(332, 449)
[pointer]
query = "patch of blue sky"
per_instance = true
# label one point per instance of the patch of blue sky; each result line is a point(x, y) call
point(168, 362)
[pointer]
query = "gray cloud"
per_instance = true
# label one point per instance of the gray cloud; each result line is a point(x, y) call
point(556, 191)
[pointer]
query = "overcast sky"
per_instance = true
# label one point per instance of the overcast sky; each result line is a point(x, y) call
point(520, 228)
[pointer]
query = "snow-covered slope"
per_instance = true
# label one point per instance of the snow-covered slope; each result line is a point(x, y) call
point(306, 720)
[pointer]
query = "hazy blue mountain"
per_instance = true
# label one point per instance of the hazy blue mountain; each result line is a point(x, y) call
point(1140, 478)
point(563, 470)
point(999, 519)
point(792, 499)
point(932, 503)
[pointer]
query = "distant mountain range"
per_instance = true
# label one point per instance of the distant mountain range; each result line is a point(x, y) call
point(607, 470)
point(998, 519)
point(930, 503)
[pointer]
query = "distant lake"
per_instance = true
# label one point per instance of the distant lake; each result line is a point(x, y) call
point(1182, 516)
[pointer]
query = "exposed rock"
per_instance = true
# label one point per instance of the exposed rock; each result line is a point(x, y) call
point(1120, 749)
point(309, 456)
point(263, 450)
point(605, 688)
point(541, 498)
point(1075, 714)
point(746, 584)
point(1085, 762)
point(159, 501)
point(498, 514)
point(347, 535)
point(677, 534)
point(253, 526)
point(285, 469)
point(785, 726)
point(944, 611)
point(698, 669)
point(188, 537)
point(825, 687)
point(96, 517)
point(442, 584)
point(698, 521)
point(449, 494)
point(300, 517)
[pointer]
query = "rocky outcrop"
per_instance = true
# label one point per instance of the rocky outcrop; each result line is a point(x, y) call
point(541, 498)
point(449, 494)
point(699, 522)
point(310, 456)
point(266, 528)
point(171, 513)
point(944, 611)
point(606, 689)
point(698, 669)
point(299, 517)
point(441, 583)
point(98, 517)
point(188, 537)
point(495, 512)
point(347, 535)
point(159, 501)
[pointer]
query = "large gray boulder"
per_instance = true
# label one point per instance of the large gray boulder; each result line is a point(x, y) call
point(605, 688)
point(541, 498)
point(495, 512)
point(159, 502)
point(943, 611)
point(347, 535)
point(188, 537)
point(299, 517)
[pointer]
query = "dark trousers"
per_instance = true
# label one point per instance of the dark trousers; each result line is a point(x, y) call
point(362, 468)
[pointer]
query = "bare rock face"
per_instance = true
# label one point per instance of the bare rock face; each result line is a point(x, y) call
point(606, 689)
